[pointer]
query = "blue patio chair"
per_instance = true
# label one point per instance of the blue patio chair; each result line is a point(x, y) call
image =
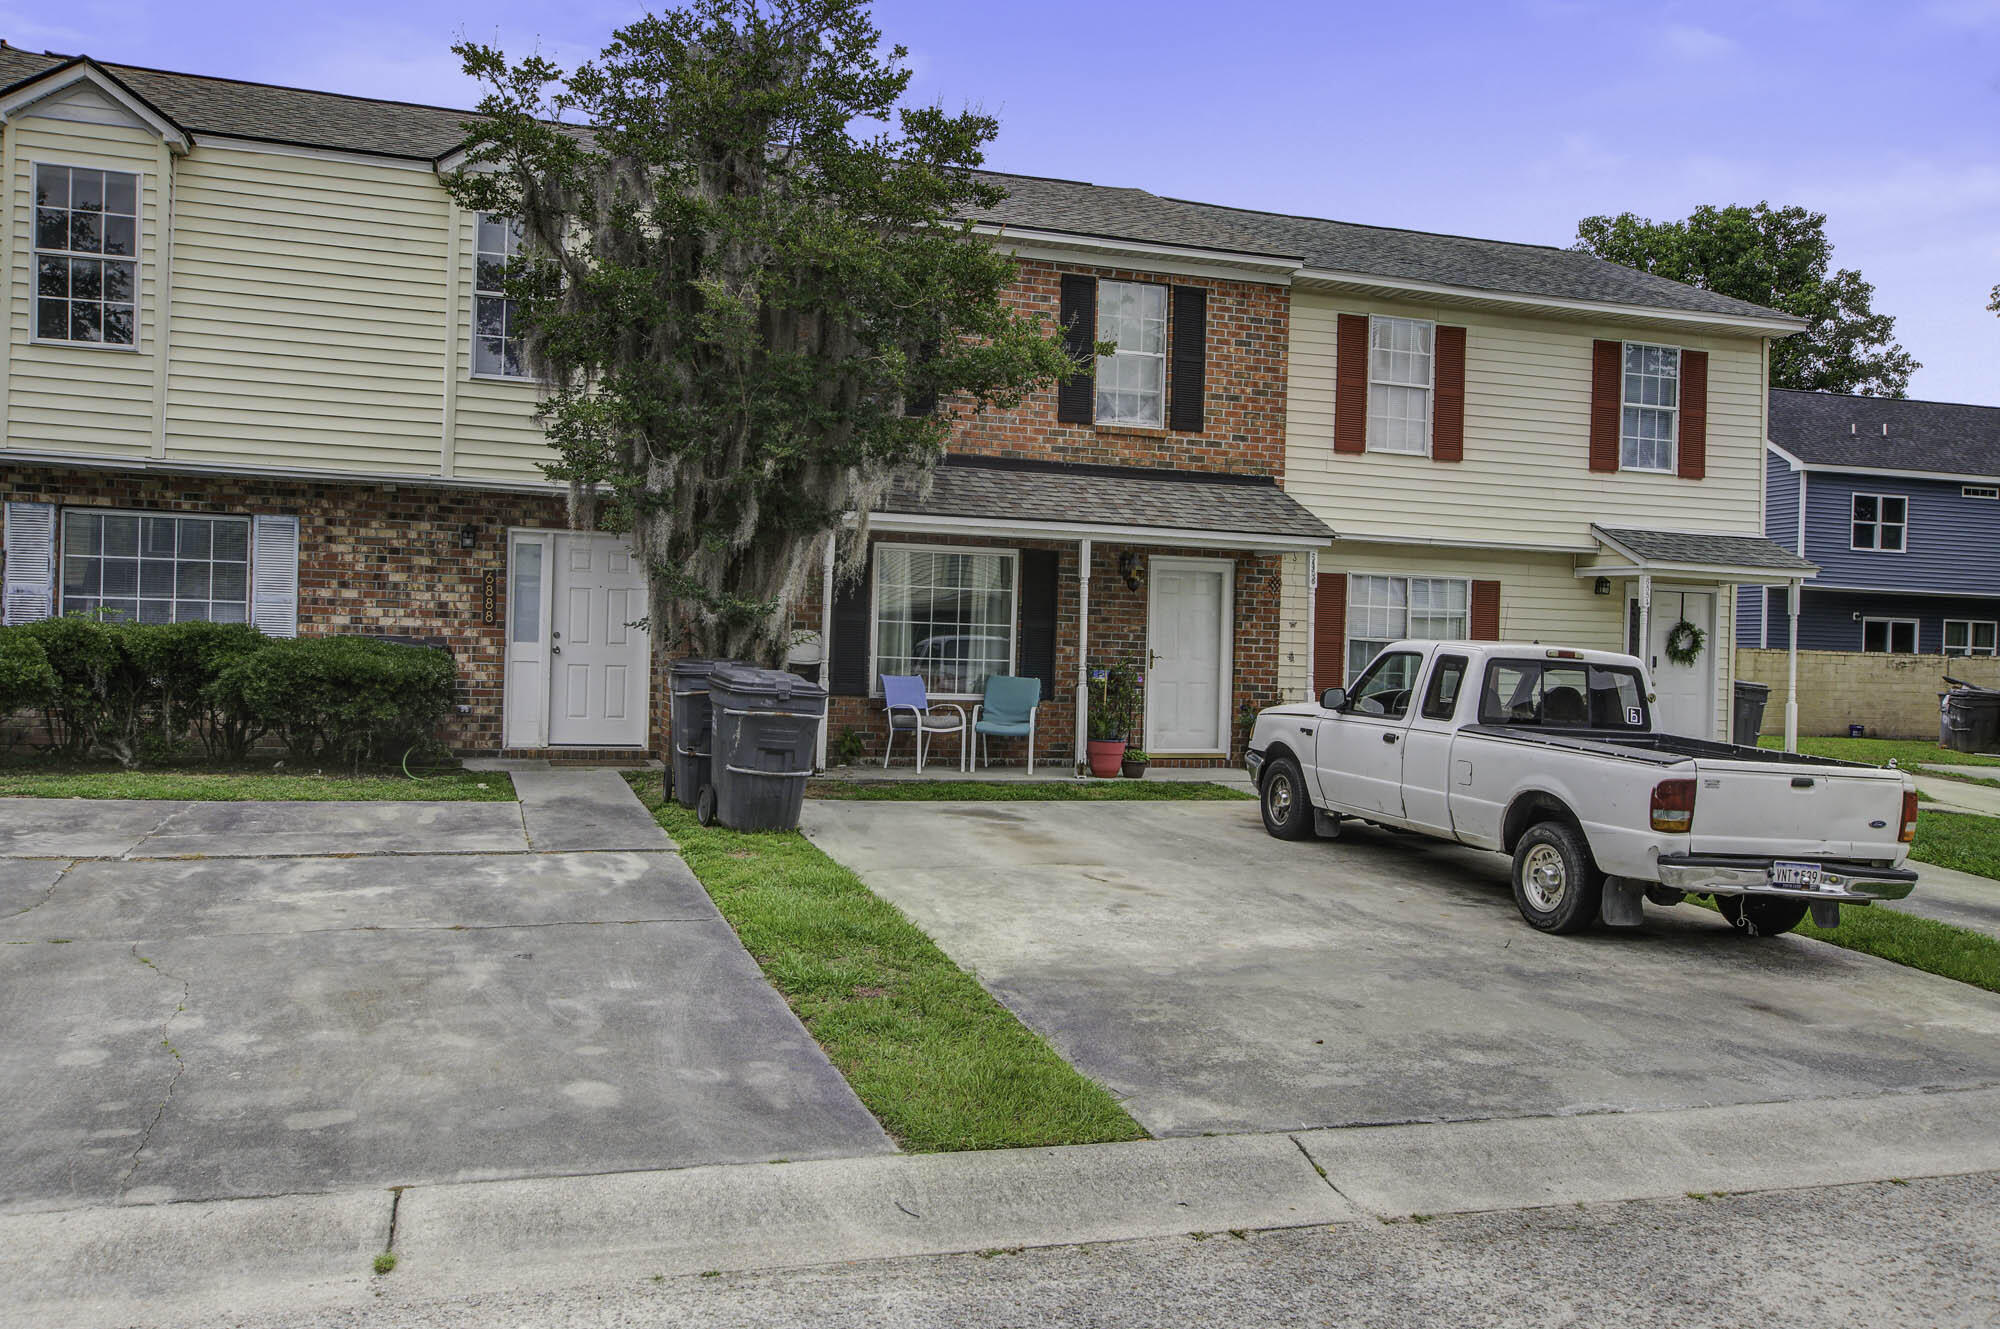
point(1008, 712)
point(910, 709)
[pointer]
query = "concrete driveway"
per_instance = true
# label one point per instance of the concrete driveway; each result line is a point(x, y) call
point(1221, 980)
point(210, 1000)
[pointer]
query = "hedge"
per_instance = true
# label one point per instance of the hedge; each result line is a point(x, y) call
point(130, 691)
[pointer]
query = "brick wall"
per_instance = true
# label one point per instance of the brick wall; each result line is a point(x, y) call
point(1894, 696)
point(1244, 405)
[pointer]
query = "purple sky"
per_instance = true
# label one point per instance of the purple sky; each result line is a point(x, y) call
point(1510, 118)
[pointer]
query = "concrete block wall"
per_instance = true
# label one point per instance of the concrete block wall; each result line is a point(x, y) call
point(1893, 696)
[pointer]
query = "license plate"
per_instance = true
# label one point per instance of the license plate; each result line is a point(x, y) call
point(1801, 875)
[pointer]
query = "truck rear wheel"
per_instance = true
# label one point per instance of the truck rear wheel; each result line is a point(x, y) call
point(1761, 915)
point(1288, 813)
point(1557, 886)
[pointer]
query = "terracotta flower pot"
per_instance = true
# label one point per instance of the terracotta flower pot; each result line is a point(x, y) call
point(1106, 756)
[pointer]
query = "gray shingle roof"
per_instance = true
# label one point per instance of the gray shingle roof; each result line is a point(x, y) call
point(356, 124)
point(1702, 548)
point(1821, 429)
point(1109, 496)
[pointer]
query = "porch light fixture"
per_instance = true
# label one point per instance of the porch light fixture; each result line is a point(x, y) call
point(1602, 586)
point(1128, 568)
point(468, 537)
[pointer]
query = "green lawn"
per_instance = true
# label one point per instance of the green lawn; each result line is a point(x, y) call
point(1908, 753)
point(938, 1061)
point(451, 786)
point(1960, 841)
point(1922, 943)
point(1053, 791)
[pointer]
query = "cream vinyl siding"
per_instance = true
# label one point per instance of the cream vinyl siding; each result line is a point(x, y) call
point(1294, 628)
point(495, 434)
point(82, 398)
point(1526, 477)
point(309, 313)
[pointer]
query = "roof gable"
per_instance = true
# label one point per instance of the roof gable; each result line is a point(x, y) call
point(1824, 430)
point(80, 89)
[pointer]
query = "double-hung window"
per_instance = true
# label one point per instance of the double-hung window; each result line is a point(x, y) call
point(1385, 609)
point(1401, 376)
point(1132, 381)
point(139, 567)
point(1650, 423)
point(1881, 522)
point(945, 615)
point(86, 255)
point(1889, 636)
point(1970, 637)
point(496, 336)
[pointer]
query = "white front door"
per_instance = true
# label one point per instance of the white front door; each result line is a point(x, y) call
point(598, 653)
point(1684, 694)
point(1188, 630)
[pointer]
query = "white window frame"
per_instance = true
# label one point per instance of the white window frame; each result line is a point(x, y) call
point(1013, 557)
point(249, 556)
point(1673, 412)
point(1878, 523)
point(1159, 420)
point(1972, 646)
point(1349, 638)
point(138, 257)
point(1979, 491)
point(1428, 387)
point(479, 293)
point(1891, 624)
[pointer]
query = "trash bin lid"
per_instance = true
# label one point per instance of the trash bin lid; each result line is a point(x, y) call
point(752, 681)
point(693, 668)
point(1756, 689)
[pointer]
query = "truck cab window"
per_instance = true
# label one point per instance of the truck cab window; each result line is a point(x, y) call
point(1441, 697)
point(1384, 689)
point(1562, 695)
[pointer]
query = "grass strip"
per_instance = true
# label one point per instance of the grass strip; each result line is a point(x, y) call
point(941, 1064)
point(1912, 754)
point(1013, 791)
point(1921, 943)
point(1961, 841)
point(259, 786)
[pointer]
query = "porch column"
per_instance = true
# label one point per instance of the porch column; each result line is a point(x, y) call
point(1082, 648)
point(1792, 673)
point(826, 641)
point(1645, 651)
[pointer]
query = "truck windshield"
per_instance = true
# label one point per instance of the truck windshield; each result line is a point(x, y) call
point(1563, 694)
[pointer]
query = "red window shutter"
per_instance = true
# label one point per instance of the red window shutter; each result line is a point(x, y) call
point(1350, 387)
point(1329, 631)
point(1694, 415)
point(1485, 624)
point(1448, 410)
point(1607, 402)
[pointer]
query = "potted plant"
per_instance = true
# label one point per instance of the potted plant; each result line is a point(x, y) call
point(1134, 765)
point(1113, 692)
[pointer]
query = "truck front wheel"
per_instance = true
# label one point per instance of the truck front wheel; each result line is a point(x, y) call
point(1288, 813)
point(1761, 915)
point(1557, 886)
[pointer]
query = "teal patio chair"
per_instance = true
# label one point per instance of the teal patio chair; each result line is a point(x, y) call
point(1007, 712)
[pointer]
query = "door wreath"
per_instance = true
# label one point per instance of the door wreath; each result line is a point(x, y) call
point(1685, 642)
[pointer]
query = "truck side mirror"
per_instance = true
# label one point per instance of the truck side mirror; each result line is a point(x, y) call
point(1333, 698)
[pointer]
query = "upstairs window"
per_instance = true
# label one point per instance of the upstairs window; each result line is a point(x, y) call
point(1650, 424)
point(496, 337)
point(1401, 369)
point(86, 255)
point(1881, 522)
point(1131, 383)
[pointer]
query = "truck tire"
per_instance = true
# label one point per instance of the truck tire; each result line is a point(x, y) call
point(1761, 915)
point(1557, 886)
point(1288, 812)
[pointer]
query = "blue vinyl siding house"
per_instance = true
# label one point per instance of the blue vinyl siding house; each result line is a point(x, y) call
point(1901, 511)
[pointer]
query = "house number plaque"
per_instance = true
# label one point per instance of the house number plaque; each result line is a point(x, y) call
point(489, 597)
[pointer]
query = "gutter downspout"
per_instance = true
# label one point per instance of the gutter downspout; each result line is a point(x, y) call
point(1082, 651)
point(826, 641)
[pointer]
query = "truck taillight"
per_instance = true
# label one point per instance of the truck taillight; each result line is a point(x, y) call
point(1909, 816)
point(1673, 806)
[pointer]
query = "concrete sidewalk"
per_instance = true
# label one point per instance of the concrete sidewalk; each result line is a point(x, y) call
point(1958, 898)
point(307, 1254)
point(1944, 795)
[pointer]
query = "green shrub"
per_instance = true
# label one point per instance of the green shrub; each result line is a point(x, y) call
point(26, 681)
point(187, 662)
point(103, 690)
point(342, 700)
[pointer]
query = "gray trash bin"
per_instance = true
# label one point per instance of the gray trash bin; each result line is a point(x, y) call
point(689, 714)
point(766, 731)
point(1972, 720)
point(1747, 720)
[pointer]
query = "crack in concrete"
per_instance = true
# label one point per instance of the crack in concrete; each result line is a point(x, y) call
point(173, 1081)
point(1324, 1175)
point(164, 822)
point(48, 894)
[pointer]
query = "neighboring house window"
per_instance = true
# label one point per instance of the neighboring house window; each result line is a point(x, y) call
point(945, 615)
point(1970, 637)
point(1131, 384)
point(1385, 609)
point(1881, 522)
point(1401, 363)
point(86, 255)
point(1651, 420)
point(496, 337)
point(156, 569)
point(1979, 491)
point(1890, 636)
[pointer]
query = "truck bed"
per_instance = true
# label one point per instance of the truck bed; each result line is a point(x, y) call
point(1659, 749)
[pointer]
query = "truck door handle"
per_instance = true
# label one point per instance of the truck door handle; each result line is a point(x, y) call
point(1388, 738)
point(1305, 729)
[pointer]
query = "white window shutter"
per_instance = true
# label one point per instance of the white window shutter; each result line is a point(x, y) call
point(30, 592)
point(274, 576)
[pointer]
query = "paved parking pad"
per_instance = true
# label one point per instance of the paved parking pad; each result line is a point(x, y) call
point(1220, 980)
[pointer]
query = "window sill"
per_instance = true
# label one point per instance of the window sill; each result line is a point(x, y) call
point(63, 344)
point(526, 379)
point(1650, 470)
point(1135, 431)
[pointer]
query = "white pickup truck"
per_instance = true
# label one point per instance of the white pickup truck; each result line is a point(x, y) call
point(1550, 755)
